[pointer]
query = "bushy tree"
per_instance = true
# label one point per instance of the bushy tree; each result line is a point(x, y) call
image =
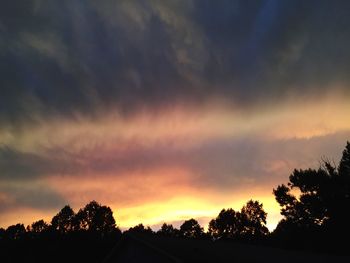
point(140, 228)
point(15, 232)
point(168, 230)
point(225, 225)
point(63, 222)
point(250, 222)
point(38, 227)
point(323, 200)
point(191, 229)
point(253, 220)
point(95, 217)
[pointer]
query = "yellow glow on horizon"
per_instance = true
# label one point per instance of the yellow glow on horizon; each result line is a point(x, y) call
point(153, 197)
point(183, 208)
point(168, 193)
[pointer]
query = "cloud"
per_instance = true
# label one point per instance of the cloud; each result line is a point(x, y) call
point(33, 195)
point(226, 95)
point(64, 58)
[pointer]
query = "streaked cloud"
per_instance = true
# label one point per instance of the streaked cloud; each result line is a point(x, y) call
point(167, 109)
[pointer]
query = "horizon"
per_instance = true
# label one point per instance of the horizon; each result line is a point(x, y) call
point(167, 110)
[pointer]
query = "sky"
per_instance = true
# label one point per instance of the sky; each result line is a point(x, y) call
point(167, 110)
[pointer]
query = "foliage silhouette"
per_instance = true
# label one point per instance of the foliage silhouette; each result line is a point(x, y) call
point(64, 221)
point(191, 229)
point(2, 233)
point(225, 225)
point(249, 223)
point(96, 218)
point(168, 230)
point(38, 227)
point(62, 240)
point(140, 228)
point(253, 220)
point(320, 211)
point(314, 204)
point(16, 232)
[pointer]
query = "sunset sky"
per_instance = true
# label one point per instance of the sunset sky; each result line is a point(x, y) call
point(166, 110)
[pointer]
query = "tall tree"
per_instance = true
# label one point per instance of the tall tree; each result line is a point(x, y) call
point(253, 219)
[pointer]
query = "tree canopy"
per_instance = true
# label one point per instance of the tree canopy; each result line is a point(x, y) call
point(63, 222)
point(191, 229)
point(249, 222)
point(322, 199)
point(96, 217)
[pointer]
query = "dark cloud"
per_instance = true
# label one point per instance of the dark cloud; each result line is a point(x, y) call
point(222, 163)
point(78, 57)
point(33, 195)
point(17, 165)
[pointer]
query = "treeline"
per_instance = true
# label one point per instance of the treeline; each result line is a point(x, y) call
point(314, 219)
point(97, 220)
point(94, 219)
point(247, 224)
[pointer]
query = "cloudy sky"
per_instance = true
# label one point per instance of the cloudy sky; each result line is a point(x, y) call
point(166, 110)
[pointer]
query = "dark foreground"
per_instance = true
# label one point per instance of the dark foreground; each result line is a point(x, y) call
point(151, 248)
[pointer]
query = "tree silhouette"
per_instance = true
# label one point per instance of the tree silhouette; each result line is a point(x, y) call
point(2, 233)
point(323, 201)
point(191, 229)
point(253, 220)
point(225, 225)
point(140, 228)
point(96, 218)
point(168, 230)
point(15, 232)
point(250, 222)
point(63, 222)
point(38, 227)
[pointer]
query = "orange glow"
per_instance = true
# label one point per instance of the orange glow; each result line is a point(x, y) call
point(169, 191)
point(157, 196)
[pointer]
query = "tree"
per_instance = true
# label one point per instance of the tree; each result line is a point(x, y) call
point(2, 233)
point(96, 218)
point(38, 227)
point(63, 222)
point(253, 220)
point(16, 231)
point(225, 225)
point(323, 199)
point(250, 222)
point(140, 228)
point(191, 229)
point(168, 230)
